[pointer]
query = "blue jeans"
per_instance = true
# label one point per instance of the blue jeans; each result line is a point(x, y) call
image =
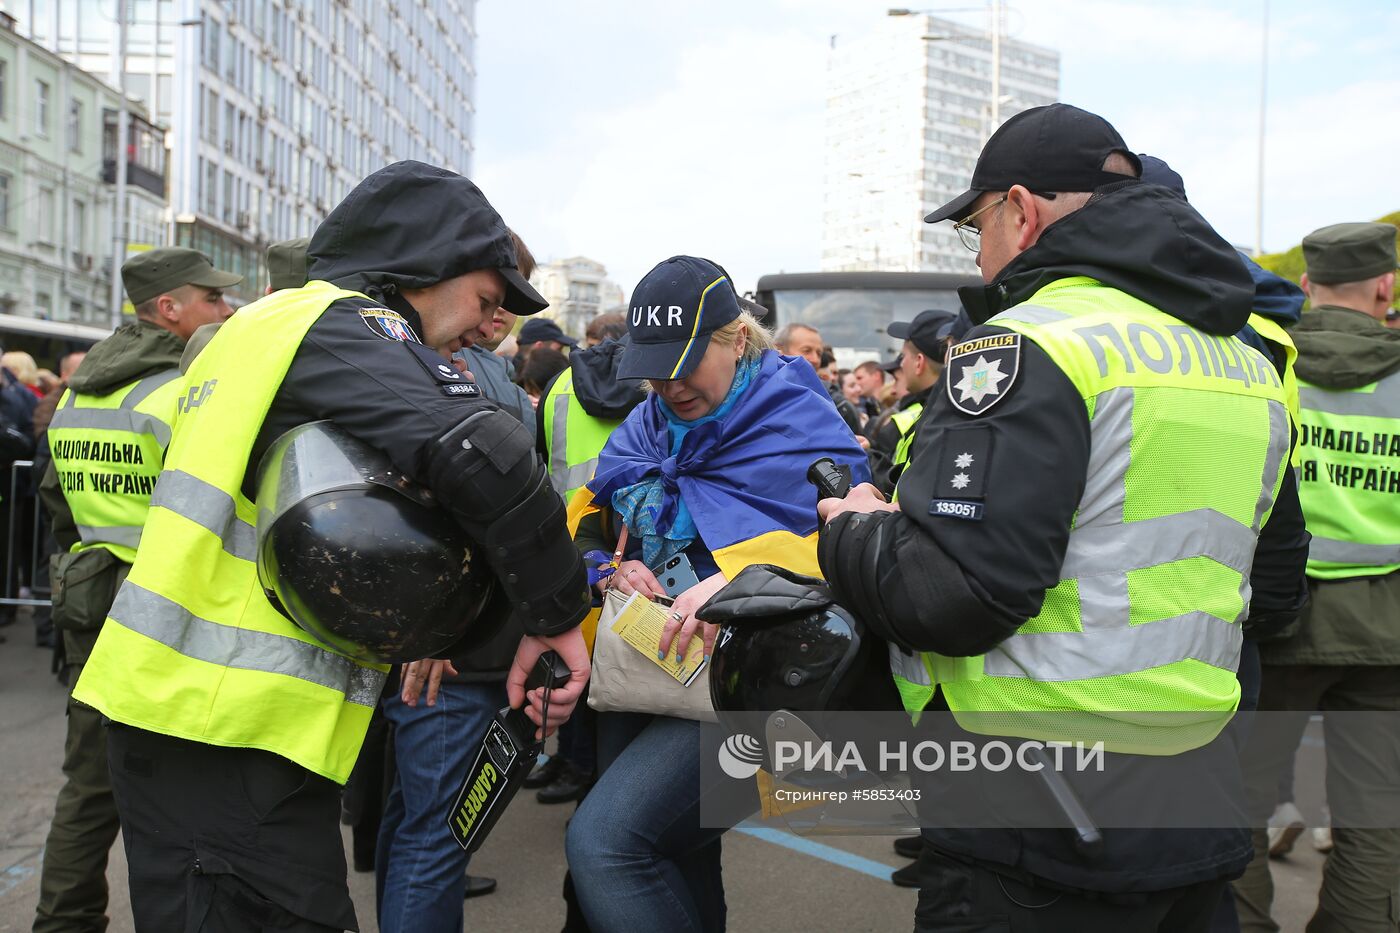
point(639, 857)
point(420, 870)
point(578, 741)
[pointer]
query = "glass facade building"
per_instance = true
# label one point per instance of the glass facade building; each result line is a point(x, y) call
point(277, 108)
point(907, 111)
point(58, 144)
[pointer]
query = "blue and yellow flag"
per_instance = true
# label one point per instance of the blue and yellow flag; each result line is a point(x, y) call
point(743, 477)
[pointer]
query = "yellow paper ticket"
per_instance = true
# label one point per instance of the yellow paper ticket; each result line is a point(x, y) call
point(640, 623)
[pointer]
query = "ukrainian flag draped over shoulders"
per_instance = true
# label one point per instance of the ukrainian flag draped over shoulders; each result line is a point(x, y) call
point(743, 477)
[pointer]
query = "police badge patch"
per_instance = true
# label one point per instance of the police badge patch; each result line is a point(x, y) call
point(389, 325)
point(981, 370)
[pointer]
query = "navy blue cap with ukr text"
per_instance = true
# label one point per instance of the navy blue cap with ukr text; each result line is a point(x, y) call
point(674, 310)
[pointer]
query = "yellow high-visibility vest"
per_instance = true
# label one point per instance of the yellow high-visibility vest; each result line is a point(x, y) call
point(192, 648)
point(573, 437)
point(1190, 438)
point(108, 451)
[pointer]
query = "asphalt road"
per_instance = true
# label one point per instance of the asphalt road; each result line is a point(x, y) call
point(773, 882)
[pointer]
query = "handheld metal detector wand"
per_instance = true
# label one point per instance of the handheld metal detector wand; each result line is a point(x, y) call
point(508, 752)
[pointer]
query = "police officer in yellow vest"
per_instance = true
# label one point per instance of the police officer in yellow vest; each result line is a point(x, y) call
point(1076, 528)
point(920, 360)
point(108, 438)
point(231, 727)
point(1345, 659)
point(580, 409)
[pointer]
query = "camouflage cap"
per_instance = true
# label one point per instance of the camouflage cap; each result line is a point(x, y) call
point(157, 271)
point(286, 263)
point(1349, 252)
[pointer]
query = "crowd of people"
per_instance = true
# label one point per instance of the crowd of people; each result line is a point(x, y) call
point(1088, 489)
point(28, 397)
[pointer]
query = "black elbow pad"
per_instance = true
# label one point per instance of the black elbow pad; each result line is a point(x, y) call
point(848, 552)
point(931, 604)
point(1276, 623)
point(486, 473)
point(906, 588)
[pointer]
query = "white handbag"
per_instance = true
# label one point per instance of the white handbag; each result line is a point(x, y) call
point(626, 681)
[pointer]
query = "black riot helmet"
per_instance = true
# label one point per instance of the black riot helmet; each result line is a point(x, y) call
point(359, 556)
point(784, 644)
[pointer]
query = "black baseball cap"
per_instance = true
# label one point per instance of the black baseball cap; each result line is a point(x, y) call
point(1046, 149)
point(674, 310)
point(542, 328)
point(927, 331)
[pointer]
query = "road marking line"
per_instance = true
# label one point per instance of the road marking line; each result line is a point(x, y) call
point(819, 850)
point(20, 870)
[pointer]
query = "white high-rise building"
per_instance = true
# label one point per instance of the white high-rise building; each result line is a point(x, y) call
point(277, 108)
point(907, 111)
point(578, 290)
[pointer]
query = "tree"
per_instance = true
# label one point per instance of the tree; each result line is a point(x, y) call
point(1289, 263)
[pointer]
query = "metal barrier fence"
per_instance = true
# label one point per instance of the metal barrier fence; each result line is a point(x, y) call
point(16, 527)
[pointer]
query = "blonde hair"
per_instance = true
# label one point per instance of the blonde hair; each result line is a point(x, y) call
point(759, 339)
point(22, 365)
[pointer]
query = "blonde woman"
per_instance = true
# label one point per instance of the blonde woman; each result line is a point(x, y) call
point(24, 369)
point(711, 468)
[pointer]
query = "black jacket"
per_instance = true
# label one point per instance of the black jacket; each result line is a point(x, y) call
point(596, 384)
point(597, 387)
point(382, 390)
point(844, 408)
point(979, 581)
point(885, 443)
point(16, 419)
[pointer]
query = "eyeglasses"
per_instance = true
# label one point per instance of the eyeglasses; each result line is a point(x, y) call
point(972, 236)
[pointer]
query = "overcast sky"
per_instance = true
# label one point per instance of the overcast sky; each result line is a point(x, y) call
point(628, 131)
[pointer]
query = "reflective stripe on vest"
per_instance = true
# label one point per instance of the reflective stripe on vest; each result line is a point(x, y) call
point(1349, 478)
point(572, 436)
point(174, 626)
point(1100, 557)
point(906, 420)
point(209, 507)
point(1272, 332)
point(1156, 572)
point(192, 647)
point(107, 452)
